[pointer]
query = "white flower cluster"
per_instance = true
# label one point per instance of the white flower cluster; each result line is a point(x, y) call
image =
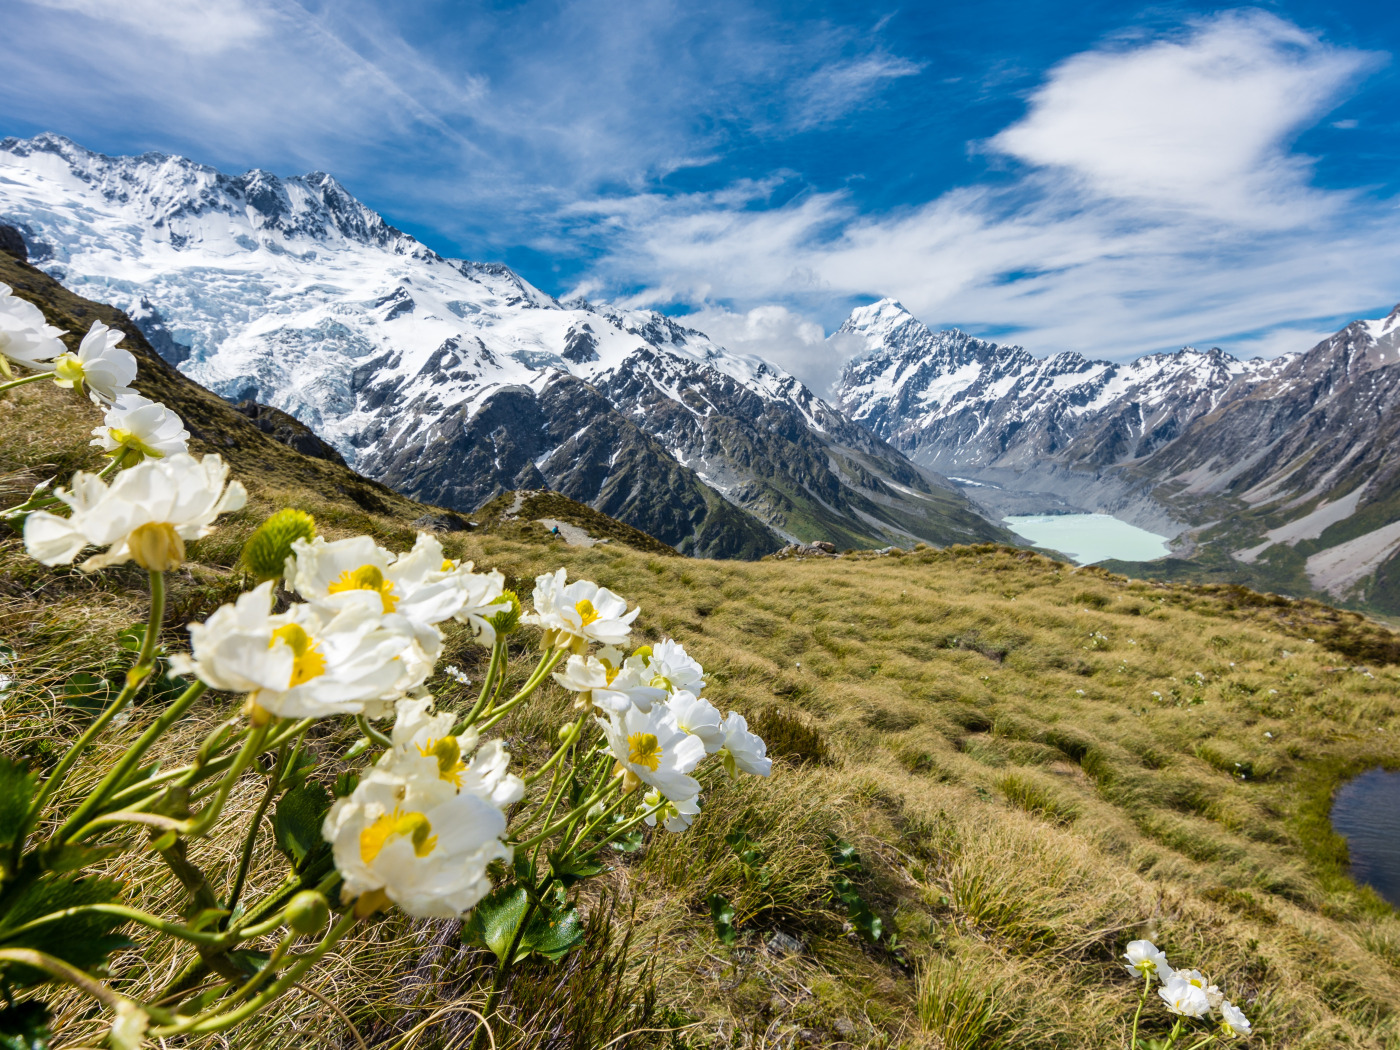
point(100, 367)
point(1186, 993)
point(656, 724)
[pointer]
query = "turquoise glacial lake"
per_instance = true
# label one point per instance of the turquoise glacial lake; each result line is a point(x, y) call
point(1087, 538)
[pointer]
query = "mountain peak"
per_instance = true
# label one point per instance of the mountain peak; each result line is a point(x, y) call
point(878, 318)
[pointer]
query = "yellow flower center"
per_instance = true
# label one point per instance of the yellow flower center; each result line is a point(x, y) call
point(449, 758)
point(68, 371)
point(643, 749)
point(366, 578)
point(411, 825)
point(128, 439)
point(586, 612)
point(307, 662)
point(156, 546)
point(447, 565)
point(660, 681)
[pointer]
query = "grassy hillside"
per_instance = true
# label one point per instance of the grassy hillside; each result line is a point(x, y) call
point(1034, 764)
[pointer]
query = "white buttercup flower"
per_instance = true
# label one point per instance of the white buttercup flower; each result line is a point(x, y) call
point(100, 365)
point(606, 683)
point(1184, 998)
point(423, 744)
point(574, 614)
point(1233, 1021)
point(653, 748)
point(136, 427)
point(418, 840)
point(145, 516)
point(1145, 959)
point(675, 816)
point(669, 666)
point(309, 662)
point(699, 718)
point(484, 598)
point(25, 337)
point(359, 571)
point(742, 749)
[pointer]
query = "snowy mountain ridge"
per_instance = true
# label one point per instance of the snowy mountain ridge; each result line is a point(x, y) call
point(292, 293)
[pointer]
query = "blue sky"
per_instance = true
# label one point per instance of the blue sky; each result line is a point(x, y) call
point(1102, 177)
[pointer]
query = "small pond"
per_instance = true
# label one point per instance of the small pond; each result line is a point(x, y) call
point(1366, 812)
point(1087, 538)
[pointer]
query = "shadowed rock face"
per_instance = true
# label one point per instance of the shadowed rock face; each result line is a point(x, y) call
point(12, 243)
point(279, 426)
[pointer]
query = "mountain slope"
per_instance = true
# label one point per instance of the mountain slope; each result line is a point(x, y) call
point(291, 293)
point(1278, 473)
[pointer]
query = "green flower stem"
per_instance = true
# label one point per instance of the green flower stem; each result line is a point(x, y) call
point(547, 663)
point(219, 1022)
point(1211, 1038)
point(493, 670)
point(374, 735)
point(617, 832)
point(503, 971)
point(1146, 987)
point(122, 912)
point(139, 672)
point(63, 971)
point(27, 379)
point(245, 860)
point(582, 807)
point(554, 800)
point(128, 761)
point(574, 736)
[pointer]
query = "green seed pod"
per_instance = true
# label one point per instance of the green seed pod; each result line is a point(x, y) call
point(307, 912)
point(508, 618)
point(267, 550)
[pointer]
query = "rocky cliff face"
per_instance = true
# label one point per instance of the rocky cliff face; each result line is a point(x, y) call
point(456, 380)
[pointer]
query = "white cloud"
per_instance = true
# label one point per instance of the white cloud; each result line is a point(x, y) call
point(1198, 121)
point(841, 87)
point(201, 27)
point(1161, 208)
point(776, 334)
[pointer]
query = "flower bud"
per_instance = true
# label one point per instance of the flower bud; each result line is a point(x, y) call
point(267, 550)
point(307, 912)
point(156, 547)
point(565, 732)
point(508, 619)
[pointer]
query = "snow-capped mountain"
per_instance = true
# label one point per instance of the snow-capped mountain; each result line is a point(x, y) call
point(454, 380)
point(1289, 466)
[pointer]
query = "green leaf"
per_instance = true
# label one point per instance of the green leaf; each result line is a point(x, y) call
point(296, 826)
point(25, 1026)
point(295, 775)
point(84, 940)
point(205, 918)
point(844, 855)
point(628, 842)
point(493, 922)
point(570, 870)
point(345, 783)
point(86, 692)
point(71, 857)
point(551, 932)
point(250, 962)
point(17, 786)
point(722, 912)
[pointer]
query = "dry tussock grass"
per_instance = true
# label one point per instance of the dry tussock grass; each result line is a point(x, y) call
point(1037, 764)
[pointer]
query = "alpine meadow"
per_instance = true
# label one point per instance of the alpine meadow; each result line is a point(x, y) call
point(998, 787)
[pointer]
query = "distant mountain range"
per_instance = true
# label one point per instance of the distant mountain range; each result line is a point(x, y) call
point(1281, 473)
point(452, 381)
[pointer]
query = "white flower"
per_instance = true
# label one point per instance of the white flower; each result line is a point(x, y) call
point(484, 599)
point(308, 662)
point(675, 816)
point(1144, 959)
point(1192, 977)
point(423, 745)
point(699, 718)
point(742, 749)
point(1184, 998)
point(136, 427)
point(145, 516)
point(669, 666)
point(103, 367)
point(25, 338)
point(574, 614)
point(649, 745)
point(1233, 1021)
point(417, 840)
point(359, 571)
point(456, 674)
point(606, 683)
